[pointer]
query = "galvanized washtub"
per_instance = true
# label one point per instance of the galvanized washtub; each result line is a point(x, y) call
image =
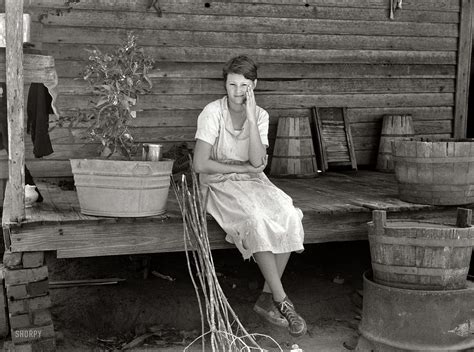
point(120, 188)
point(417, 320)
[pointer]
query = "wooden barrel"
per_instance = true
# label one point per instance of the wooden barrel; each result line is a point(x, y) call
point(394, 127)
point(293, 153)
point(418, 255)
point(438, 172)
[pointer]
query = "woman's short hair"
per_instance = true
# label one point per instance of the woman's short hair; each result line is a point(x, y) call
point(242, 65)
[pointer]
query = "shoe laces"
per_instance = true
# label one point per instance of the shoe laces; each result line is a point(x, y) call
point(288, 311)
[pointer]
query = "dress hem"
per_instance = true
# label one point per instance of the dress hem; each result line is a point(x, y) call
point(248, 253)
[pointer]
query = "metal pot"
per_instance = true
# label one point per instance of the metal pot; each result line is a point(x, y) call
point(151, 152)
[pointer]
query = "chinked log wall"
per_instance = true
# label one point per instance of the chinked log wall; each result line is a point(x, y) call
point(313, 53)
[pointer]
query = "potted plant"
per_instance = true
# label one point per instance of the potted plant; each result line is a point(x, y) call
point(118, 183)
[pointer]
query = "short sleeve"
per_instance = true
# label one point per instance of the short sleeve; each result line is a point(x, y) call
point(208, 125)
point(263, 121)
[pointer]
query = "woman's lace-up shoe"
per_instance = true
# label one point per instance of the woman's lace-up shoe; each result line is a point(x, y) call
point(297, 325)
point(265, 307)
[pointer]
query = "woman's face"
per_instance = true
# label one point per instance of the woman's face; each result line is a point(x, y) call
point(236, 86)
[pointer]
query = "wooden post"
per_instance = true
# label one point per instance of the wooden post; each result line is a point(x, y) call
point(464, 217)
point(379, 218)
point(463, 70)
point(16, 122)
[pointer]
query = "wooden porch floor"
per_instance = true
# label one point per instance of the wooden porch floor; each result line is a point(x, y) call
point(336, 207)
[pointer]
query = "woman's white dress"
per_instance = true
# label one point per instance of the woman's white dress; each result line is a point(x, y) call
point(255, 214)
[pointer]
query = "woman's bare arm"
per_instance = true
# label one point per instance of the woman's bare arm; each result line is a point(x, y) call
point(202, 162)
point(257, 151)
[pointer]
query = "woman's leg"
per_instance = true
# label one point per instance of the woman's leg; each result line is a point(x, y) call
point(281, 261)
point(271, 267)
point(267, 264)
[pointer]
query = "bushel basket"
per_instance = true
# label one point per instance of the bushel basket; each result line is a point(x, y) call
point(438, 172)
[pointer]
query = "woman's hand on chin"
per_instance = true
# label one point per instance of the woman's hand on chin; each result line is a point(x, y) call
point(250, 105)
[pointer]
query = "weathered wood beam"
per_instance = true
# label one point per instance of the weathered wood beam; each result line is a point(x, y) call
point(91, 239)
point(280, 101)
point(88, 239)
point(15, 102)
point(36, 68)
point(202, 22)
point(71, 69)
point(463, 70)
point(226, 6)
point(276, 56)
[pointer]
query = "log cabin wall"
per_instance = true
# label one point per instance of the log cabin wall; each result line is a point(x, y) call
point(311, 53)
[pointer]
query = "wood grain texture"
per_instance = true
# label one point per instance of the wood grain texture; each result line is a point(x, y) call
point(212, 54)
point(72, 68)
point(441, 5)
point(205, 22)
point(188, 118)
point(148, 134)
point(426, 11)
point(70, 86)
point(199, 101)
point(36, 68)
point(189, 39)
point(15, 106)
point(463, 70)
point(418, 113)
point(141, 5)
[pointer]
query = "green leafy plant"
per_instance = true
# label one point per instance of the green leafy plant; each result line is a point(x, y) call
point(117, 79)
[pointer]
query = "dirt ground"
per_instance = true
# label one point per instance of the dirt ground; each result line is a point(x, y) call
point(322, 282)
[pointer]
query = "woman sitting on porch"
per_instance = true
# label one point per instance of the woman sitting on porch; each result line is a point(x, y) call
point(258, 217)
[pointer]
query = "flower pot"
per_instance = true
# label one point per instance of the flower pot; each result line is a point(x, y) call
point(120, 188)
point(438, 172)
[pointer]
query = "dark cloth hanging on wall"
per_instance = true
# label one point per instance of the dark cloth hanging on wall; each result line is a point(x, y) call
point(38, 109)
